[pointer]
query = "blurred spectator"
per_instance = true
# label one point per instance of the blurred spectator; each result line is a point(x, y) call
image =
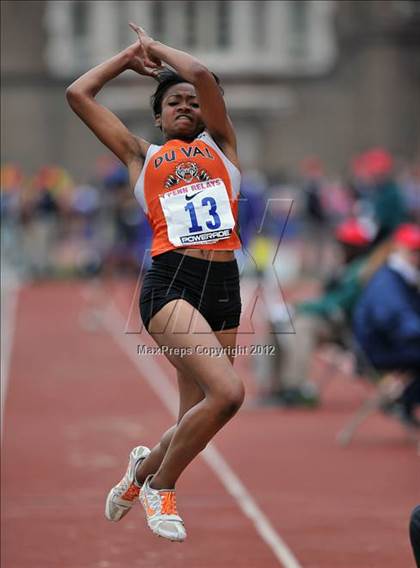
point(321, 320)
point(380, 197)
point(338, 201)
point(41, 204)
point(86, 202)
point(410, 187)
point(252, 204)
point(12, 181)
point(315, 218)
point(132, 237)
point(312, 173)
point(387, 317)
point(79, 246)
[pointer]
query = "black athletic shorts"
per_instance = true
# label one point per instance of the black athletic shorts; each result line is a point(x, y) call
point(211, 287)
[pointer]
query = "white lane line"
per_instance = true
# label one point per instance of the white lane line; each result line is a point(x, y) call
point(9, 300)
point(161, 384)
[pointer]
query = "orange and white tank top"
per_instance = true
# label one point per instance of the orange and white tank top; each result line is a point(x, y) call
point(189, 193)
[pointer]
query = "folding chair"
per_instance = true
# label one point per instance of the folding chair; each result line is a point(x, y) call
point(388, 388)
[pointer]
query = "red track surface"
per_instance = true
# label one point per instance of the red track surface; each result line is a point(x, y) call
point(75, 407)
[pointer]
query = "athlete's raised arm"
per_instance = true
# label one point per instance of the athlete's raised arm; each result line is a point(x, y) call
point(212, 104)
point(105, 125)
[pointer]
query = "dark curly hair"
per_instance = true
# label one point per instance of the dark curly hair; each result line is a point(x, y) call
point(166, 79)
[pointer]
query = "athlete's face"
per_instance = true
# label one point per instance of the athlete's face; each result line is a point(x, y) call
point(181, 116)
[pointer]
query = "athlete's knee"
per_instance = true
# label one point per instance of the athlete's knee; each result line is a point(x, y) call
point(229, 398)
point(231, 406)
point(239, 396)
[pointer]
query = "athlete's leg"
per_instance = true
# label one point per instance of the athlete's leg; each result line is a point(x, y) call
point(227, 339)
point(190, 393)
point(222, 388)
point(121, 497)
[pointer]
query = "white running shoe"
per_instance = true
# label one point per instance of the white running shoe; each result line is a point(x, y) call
point(161, 514)
point(123, 495)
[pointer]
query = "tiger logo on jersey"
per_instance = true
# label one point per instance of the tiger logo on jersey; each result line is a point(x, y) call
point(186, 171)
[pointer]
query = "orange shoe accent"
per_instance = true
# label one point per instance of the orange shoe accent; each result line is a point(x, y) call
point(131, 493)
point(169, 503)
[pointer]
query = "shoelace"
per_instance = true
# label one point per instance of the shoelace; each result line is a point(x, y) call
point(168, 503)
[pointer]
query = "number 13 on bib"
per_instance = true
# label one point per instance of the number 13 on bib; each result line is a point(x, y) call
point(198, 213)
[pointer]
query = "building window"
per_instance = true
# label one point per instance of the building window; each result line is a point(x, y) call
point(298, 25)
point(125, 35)
point(224, 24)
point(158, 19)
point(80, 19)
point(191, 24)
point(80, 14)
point(259, 28)
point(295, 36)
point(190, 18)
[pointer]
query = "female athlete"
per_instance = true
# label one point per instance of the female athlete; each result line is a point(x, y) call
point(190, 301)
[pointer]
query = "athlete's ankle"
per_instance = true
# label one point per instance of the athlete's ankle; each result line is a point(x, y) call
point(139, 480)
point(158, 484)
point(141, 474)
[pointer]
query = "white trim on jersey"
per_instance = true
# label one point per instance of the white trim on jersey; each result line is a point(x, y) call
point(139, 187)
point(233, 171)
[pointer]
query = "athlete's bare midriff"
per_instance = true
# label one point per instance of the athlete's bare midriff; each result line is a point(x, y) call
point(213, 255)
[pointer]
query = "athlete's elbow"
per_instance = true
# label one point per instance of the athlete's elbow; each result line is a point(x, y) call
point(76, 94)
point(73, 95)
point(77, 99)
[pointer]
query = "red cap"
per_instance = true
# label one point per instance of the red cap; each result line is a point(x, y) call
point(352, 232)
point(408, 235)
point(378, 162)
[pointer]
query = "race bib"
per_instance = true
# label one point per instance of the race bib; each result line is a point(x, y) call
point(198, 213)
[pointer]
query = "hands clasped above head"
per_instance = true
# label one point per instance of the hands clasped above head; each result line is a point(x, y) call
point(142, 61)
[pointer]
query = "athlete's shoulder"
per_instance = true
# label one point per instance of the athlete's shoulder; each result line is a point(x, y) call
point(208, 139)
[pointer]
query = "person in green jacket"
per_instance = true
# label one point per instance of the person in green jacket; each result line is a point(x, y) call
point(321, 320)
point(382, 198)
